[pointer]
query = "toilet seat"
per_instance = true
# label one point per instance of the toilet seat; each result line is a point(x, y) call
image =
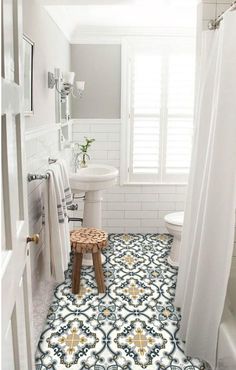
point(176, 218)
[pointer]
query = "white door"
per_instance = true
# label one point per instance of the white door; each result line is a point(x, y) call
point(15, 266)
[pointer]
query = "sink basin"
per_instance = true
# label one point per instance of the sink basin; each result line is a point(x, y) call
point(92, 180)
point(94, 177)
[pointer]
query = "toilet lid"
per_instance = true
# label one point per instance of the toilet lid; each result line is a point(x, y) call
point(176, 218)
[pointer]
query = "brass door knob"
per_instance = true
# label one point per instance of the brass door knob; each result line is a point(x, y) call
point(34, 238)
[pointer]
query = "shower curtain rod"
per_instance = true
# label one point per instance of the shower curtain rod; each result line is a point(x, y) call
point(215, 23)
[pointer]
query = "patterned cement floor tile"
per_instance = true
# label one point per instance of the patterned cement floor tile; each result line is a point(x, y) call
point(133, 326)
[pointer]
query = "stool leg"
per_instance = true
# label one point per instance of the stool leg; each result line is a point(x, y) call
point(97, 263)
point(76, 272)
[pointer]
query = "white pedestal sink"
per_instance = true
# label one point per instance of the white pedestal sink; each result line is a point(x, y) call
point(92, 180)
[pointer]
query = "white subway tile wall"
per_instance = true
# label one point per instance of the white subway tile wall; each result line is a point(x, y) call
point(129, 208)
point(37, 152)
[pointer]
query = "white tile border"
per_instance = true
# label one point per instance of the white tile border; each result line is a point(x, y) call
point(116, 35)
point(41, 130)
point(77, 121)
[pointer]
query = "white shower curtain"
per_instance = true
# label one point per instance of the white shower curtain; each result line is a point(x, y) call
point(207, 239)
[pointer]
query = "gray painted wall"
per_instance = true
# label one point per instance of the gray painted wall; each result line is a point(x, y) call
point(52, 50)
point(100, 67)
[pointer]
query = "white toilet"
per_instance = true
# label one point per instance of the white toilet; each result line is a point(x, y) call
point(174, 223)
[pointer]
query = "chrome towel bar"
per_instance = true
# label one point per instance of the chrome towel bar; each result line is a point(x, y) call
point(51, 160)
point(32, 176)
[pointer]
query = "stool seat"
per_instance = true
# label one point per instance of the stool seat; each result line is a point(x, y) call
point(88, 240)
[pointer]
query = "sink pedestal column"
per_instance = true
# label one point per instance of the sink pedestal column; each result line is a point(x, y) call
point(92, 218)
point(93, 209)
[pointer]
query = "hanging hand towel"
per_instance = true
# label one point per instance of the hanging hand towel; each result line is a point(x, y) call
point(46, 254)
point(65, 180)
point(57, 224)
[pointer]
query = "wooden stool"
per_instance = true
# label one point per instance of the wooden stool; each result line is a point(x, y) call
point(88, 240)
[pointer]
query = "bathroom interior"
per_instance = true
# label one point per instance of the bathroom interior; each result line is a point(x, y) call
point(118, 179)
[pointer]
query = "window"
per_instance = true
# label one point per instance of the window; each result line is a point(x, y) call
point(159, 110)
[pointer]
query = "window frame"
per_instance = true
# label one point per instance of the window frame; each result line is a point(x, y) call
point(126, 176)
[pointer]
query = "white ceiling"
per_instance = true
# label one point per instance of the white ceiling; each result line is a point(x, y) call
point(145, 14)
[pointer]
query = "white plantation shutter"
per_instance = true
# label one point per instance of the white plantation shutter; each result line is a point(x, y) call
point(179, 145)
point(161, 113)
point(180, 113)
point(146, 145)
point(145, 113)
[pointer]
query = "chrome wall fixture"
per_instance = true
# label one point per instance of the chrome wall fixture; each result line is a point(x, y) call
point(33, 176)
point(51, 160)
point(64, 84)
point(215, 23)
point(79, 89)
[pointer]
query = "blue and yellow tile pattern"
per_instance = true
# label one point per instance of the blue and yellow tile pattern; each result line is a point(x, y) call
point(133, 326)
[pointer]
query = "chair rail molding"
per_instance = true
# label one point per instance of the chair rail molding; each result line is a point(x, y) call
point(41, 130)
point(115, 121)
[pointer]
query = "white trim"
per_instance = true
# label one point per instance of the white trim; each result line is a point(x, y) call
point(143, 183)
point(115, 121)
point(126, 171)
point(116, 35)
point(5, 258)
point(41, 130)
point(96, 40)
point(65, 124)
point(73, 2)
point(124, 113)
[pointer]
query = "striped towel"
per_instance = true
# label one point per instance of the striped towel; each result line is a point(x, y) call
point(58, 172)
point(56, 181)
point(65, 180)
point(56, 228)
